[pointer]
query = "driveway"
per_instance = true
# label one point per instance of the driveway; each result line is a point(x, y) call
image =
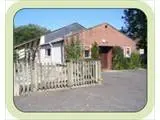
point(120, 91)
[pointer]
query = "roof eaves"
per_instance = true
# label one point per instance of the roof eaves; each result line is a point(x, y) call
point(31, 40)
point(54, 41)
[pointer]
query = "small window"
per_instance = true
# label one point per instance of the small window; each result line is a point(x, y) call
point(127, 52)
point(86, 53)
point(48, 52)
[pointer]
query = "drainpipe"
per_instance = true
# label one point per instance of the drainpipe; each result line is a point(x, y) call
point(50, 44)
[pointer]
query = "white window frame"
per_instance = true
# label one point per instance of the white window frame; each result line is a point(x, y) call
point(125, 52)
point(89, 54)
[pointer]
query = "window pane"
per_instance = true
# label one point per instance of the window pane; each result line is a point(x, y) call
point(48, 52)
point(86, 53)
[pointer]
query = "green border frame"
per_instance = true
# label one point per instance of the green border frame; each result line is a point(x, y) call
point(78, 4)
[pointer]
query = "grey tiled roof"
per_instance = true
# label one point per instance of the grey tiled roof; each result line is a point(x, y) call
point(60, 33)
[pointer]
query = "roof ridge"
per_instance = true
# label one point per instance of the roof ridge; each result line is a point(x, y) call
point(64, 27)
point(97, 25)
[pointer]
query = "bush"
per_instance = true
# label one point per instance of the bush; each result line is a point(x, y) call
point(73, 50)
point(95, 51)
point(135, 61)
point(120, 62)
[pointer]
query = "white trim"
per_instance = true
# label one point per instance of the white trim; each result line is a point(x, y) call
point(125, 51)
point(89, 54)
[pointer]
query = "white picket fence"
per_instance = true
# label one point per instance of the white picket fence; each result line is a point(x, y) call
point(42, 76)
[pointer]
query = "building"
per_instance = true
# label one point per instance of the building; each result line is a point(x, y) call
point(106, 36)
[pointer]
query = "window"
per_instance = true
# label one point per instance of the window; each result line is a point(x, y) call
point(127, 52)
point(48, 52)
point(86, 53)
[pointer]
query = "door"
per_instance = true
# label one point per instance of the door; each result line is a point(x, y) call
point(57, 53)
point(106, 57)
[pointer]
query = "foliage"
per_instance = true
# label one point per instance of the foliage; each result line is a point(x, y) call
point(28, 32)
point(95, 51)
point(136, 28)
point(135, 61)
point(120, 62)
point(73, 49)
point(118, 58)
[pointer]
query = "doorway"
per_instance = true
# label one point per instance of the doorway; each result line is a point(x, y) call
point(106, 57)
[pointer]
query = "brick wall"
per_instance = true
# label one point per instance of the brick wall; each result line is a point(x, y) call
point(105, 35)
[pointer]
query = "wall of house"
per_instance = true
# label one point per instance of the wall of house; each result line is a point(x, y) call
point(57, 50)
point(106, 35)
point(56, 53)
point(43, 56)
point(42, 51)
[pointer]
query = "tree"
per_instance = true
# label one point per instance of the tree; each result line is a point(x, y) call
point(136, 28)
point(73, 49)
point(28, 32)
point(95, 51)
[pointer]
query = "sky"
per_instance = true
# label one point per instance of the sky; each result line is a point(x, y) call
point(56, 18)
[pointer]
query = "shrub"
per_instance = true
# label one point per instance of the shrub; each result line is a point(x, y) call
point(120, 62)
point(118, 59)
point(73, 50)
point(135, 61)
point(95, 51)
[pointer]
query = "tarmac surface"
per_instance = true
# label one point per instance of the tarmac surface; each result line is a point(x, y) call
point(120, 91)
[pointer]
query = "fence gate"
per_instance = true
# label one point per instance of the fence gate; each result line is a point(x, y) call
point(43, 76)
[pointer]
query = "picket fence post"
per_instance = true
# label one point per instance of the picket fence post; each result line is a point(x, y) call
point(16, 85)
point(96, 70)
point(35, 77)
point(70, 73)
point(99, 73)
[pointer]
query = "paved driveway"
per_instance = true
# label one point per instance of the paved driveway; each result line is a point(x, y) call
point(120, 91)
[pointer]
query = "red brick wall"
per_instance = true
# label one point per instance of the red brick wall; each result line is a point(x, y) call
point(106, 37)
